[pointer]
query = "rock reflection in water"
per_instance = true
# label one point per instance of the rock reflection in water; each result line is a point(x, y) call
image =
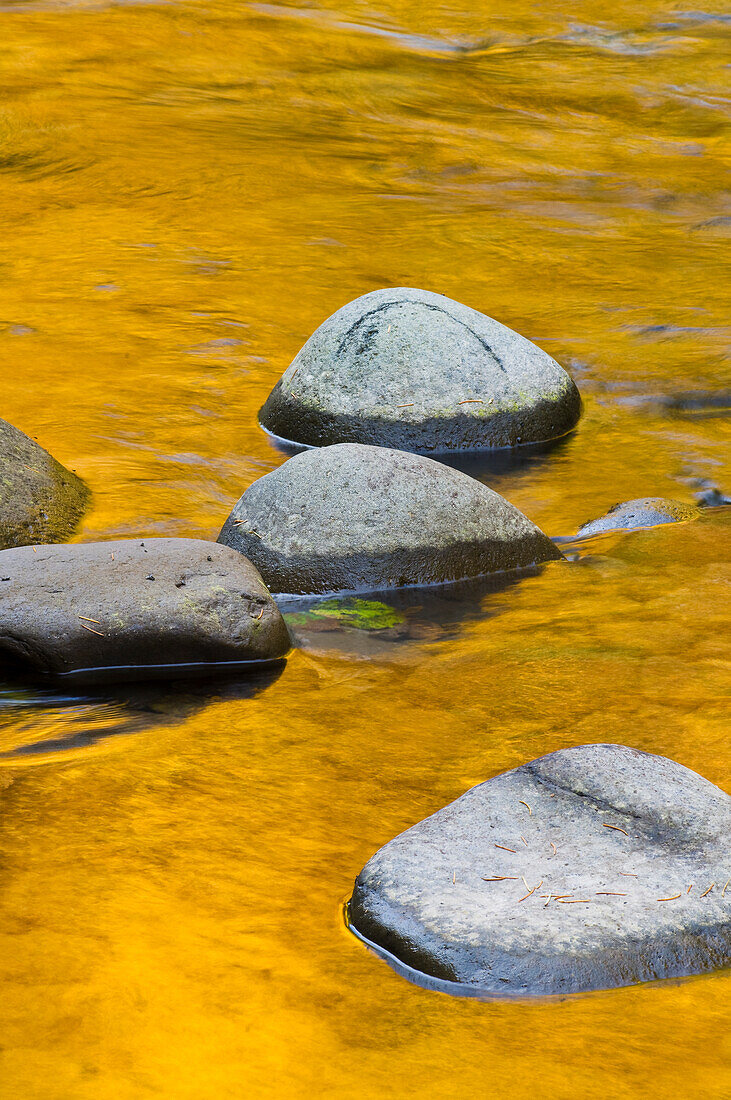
point(372, 624)
point(36, 721)
point(482, 465)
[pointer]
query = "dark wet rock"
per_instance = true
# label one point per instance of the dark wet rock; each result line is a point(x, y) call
point(551, 878)
point(351, 517)
point(699, 401)
point(414, 370)
point(646, 512)
point(712, 498)
point(722, 222)
point(117, 610)
point(40, 500)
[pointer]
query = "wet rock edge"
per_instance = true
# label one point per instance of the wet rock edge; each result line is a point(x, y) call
point(294, 422)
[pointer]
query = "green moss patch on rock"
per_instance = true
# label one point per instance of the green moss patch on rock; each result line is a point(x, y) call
point(350, 613)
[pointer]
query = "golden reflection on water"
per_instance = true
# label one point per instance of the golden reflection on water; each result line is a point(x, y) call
point(186, 191)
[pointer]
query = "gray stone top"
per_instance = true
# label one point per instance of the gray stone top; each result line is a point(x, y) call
point(408, 368)
point(353, 516)
point(643, 512)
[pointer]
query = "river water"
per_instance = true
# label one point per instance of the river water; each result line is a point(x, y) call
point(186, 191)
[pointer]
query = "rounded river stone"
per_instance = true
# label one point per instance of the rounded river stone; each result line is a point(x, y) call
point(40, 500)
point(646, 512)
point(353, 518)
point(135, 608)
point(410, 369)
point(592, 867)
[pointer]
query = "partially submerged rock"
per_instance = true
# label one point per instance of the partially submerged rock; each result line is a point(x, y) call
point(646, 512)
point(414, 370)
point(351, 517)
point(592, 867)
point(135, 608)
point(40, 500)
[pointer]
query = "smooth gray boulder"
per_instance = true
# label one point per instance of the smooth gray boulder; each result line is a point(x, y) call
point(357, 518)
point(589, 868)
point(40, 500)
point(410, 369)
point(135, 609)
point(645, 512)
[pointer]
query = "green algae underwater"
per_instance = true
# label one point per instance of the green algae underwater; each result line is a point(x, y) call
point(187, 190)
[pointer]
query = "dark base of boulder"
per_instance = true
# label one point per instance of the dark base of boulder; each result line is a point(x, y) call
point(700, 955)
point(547, 421)
point(483, 465)
point(379, 572)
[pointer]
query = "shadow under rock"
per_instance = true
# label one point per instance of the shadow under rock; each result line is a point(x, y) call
point(481, 465)
point(39, 718)
point(485, 465)
point(373, 623)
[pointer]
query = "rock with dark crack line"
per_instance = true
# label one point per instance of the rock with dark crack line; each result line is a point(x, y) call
point(358, 518)
point(589, 868)
point(135, 609)
point(644, 512)
point(410, 369)
point(40, 500)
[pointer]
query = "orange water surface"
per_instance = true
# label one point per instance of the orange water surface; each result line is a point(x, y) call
point(187, 189)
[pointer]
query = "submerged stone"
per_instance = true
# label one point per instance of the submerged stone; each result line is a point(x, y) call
point(135, 608)
point(40, 500)
point(592, 867)
point(352, 517)
point(646, 512)
point(410, 369)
